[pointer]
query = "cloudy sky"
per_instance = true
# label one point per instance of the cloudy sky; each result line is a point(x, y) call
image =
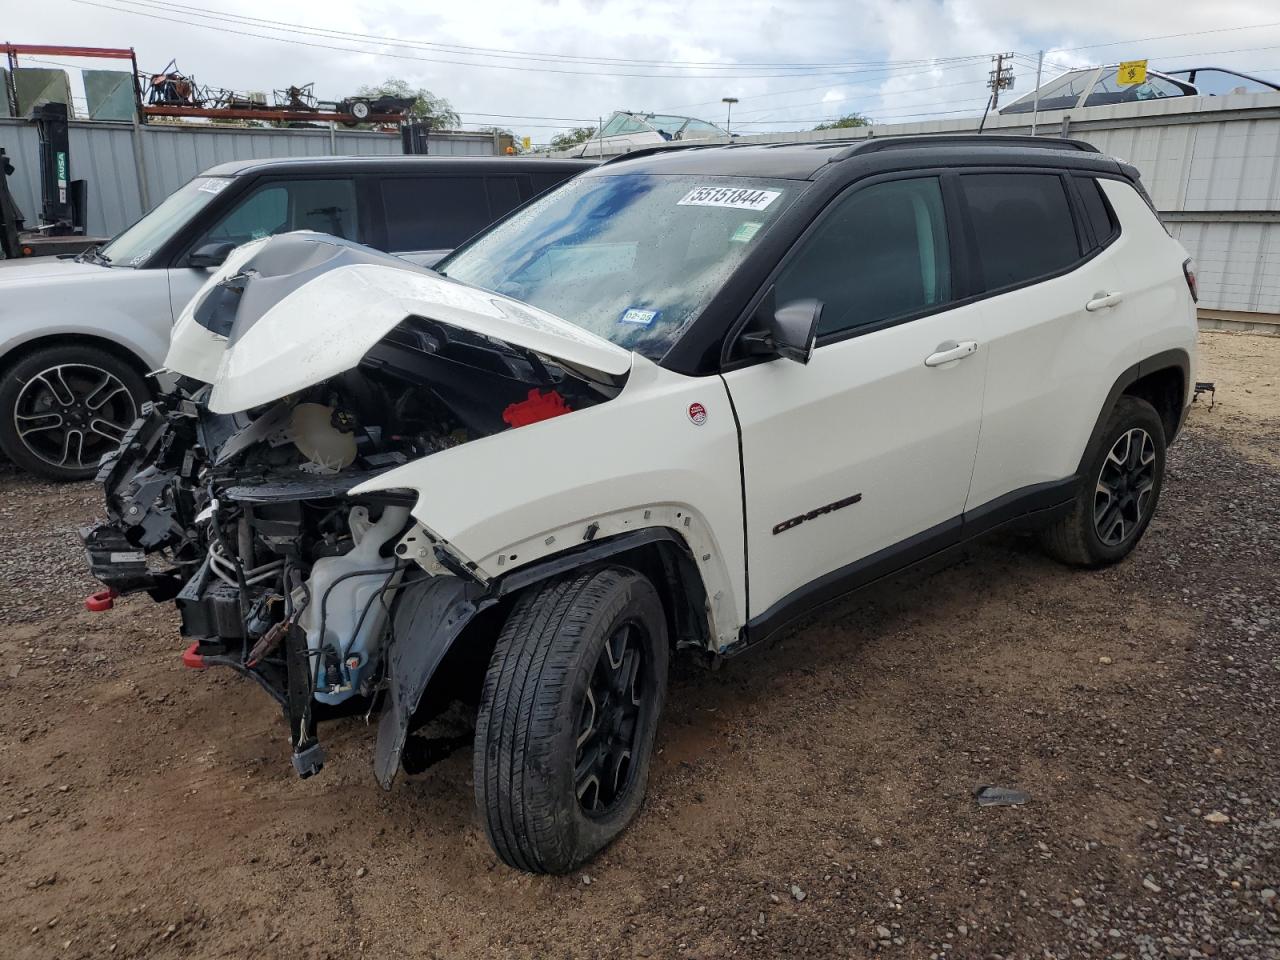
point(539, 66)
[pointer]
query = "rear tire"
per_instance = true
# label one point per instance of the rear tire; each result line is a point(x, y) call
point(1118, 493)
point(568, 716)
point(63, 407)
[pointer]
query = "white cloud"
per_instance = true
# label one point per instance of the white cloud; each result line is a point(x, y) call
point(711, 31)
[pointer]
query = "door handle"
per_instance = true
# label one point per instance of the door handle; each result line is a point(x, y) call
point(951, 350)
point(1101, 300)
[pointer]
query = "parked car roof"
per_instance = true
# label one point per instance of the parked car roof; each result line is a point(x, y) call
point(806, 160)
point(237, 168)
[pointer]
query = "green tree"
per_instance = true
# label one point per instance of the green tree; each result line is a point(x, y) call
point(426, 106)
point(571, 138)
point(848, 120)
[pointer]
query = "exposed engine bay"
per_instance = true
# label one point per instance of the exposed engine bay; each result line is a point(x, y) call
point(245, 520)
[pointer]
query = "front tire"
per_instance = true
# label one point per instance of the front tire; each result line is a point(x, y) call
point(1119, 491)
point(568, 717)
point(63, 407)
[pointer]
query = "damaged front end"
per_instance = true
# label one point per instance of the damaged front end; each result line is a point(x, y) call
point(232, 498)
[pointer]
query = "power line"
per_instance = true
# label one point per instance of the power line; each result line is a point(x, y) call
point(1168, 36)
point(156, 14)
point(939, 103)
point(1164, 57)
point(968, 62)
point(503, 53)
point(867, 97)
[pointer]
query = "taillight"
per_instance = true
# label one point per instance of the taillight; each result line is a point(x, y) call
point(1189, 271)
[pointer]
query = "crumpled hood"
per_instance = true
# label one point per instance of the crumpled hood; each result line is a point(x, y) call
point(324, 326)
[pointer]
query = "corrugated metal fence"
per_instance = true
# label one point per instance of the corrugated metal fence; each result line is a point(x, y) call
point(121, 189)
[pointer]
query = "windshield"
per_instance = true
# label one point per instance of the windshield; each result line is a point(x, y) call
point(134, 246)
point(632, 258)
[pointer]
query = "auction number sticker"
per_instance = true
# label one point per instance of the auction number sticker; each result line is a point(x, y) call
point(735, 198)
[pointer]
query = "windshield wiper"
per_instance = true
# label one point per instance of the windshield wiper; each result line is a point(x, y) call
point(94, 256)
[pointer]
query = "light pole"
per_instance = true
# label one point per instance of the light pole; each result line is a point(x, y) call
point(728, 120)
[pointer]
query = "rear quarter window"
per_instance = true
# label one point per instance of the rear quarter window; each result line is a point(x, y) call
point(1097, 211)
point(1022, 226)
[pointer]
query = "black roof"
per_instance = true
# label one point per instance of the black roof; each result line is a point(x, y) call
point(807, 159)
point(237, 168)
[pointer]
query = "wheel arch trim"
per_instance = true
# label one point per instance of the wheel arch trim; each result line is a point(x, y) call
point(1176, 359)
point(16, 351)
point(432, 614)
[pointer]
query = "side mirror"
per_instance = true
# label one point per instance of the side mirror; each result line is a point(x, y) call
point(211, 254)
point(791, 331)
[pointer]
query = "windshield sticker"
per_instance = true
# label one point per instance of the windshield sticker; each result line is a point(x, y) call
point(736, 198)
point(140, 257)
point(639, 316)
point(213, 185)
point(746, 231)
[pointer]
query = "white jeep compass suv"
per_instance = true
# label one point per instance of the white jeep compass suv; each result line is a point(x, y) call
point(674, 404)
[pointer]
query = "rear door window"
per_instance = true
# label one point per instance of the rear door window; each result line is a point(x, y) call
point(504, 196)
point(543, 182)
point(1022, 226)
point(434, 213)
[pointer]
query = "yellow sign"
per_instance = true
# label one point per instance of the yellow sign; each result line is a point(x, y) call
point(526, 142)
point(1132, 72)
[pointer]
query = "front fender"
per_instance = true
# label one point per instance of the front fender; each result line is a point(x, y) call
point(127, 307)
point(641, 460)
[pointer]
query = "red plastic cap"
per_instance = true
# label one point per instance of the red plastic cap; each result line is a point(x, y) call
point(539, 406)
point(100, 601)
point(191, 659)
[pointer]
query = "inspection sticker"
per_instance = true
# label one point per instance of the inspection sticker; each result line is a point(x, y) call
point(638, 315)
point(746, 231)
point(736, 198)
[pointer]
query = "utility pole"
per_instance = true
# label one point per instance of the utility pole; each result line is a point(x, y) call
point(1035, 103)
point(728, 120)
point(1001, 77)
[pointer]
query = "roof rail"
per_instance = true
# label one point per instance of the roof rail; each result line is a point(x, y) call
point(876, 144)
point(657, 148)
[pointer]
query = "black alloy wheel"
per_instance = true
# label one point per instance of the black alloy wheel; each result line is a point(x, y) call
point(1125, 486)
point(1118, 491)
point(609, 722)
point(568, 717)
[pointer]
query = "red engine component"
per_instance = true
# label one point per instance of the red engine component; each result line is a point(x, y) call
point(100, 601)
point(539, 406)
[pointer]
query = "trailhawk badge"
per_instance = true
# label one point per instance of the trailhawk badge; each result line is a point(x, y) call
point(697, 414)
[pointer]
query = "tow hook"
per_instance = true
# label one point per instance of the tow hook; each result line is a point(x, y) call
point(191, 659)
point(101, 601)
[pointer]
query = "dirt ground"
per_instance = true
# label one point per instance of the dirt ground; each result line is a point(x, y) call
point(813, 800)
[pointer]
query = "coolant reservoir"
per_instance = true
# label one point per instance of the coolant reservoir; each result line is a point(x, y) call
point(327, 449)
point(344, 587)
